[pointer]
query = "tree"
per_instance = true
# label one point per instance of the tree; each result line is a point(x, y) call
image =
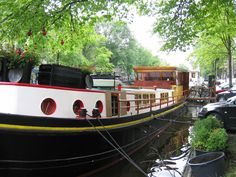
point(126, 52)
point(60, 28)
point(210, 54)
point(182, 22)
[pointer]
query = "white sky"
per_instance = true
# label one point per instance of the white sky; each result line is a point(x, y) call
point(142, 30)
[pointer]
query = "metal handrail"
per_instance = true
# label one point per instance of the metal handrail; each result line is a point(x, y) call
point(152, 102)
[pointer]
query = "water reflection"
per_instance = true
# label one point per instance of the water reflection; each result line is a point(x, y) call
point(173, 167)
point(165, 156)
point(172, 159)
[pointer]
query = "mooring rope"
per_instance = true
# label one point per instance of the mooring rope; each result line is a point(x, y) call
point(175, 121)
point(119, 149)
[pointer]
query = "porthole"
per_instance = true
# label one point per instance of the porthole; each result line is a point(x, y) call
point(48, 106)
point(128, 106)
point(99, 105)
point(77, 106)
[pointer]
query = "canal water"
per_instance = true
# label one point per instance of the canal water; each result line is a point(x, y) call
point(165, 156)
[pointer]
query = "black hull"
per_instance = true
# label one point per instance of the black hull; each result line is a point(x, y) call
point(33, 146)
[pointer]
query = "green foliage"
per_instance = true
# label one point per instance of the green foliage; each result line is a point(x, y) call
point(126, 52)
point(18, 58)
point(181, 23)
point(62, 31)
point(208, 135)
point(207, 52)
point(217, 140)
point(19, 17)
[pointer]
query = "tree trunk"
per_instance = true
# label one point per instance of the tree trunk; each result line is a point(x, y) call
point(229, 50)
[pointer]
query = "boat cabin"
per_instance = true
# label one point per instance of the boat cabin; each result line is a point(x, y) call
point(167, 77)
point(63, 92)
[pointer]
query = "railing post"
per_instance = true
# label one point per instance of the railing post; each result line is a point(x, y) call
point(137, 107)
point(150, 105)
point(120, 103)
point(160, 103)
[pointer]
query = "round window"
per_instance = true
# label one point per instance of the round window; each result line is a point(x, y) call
point(77, 106)
point(99, 105)
point(48, 106)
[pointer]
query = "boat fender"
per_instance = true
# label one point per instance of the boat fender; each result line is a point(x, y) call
point(15, 75)
point(96, 113)
point(82, 113)
point(119, 87)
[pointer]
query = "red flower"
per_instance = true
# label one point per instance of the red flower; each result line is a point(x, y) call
point(44, 32)
point(18, 51)
point(29, 33)
point(22, 55)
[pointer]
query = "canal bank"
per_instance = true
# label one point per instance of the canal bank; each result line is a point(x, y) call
point(172, 167)
point(230, 154)
point(230, 158)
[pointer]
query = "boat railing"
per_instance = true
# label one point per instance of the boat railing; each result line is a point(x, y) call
point(151, 103)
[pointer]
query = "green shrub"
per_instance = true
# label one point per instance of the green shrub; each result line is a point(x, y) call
point(217, 140)
point(208, 135)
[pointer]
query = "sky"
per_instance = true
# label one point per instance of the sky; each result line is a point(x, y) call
point(141, 28)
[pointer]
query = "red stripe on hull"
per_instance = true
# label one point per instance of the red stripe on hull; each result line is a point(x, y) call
point(48, 87)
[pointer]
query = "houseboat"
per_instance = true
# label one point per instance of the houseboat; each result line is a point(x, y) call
point(62, 125)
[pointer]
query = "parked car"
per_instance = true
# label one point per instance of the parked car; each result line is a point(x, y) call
point(223, 96)
point(222, 87)
point(224, 111)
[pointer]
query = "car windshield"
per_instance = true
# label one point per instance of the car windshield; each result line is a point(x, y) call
point(232, 99)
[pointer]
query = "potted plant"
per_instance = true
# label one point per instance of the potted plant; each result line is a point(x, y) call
point(19, 64)
point(20, 58)
point(208, 136)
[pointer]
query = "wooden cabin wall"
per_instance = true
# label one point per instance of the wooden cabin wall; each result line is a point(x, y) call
point(178, 92)
point(186, 81)
point(108, 105)
point(123, 104)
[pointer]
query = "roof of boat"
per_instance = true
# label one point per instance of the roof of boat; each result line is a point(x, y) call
point(159, 68)
point(146, 90)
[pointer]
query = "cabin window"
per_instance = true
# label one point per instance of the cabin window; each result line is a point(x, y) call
point(152, 98)
point(167, 76)
point(77, 106)
point(48, 106)
point(146, 98)
point(99, 106)
point(164, 96)
point(150, 76)
point(139, 76)
point(138, 96)
point(128, 106)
